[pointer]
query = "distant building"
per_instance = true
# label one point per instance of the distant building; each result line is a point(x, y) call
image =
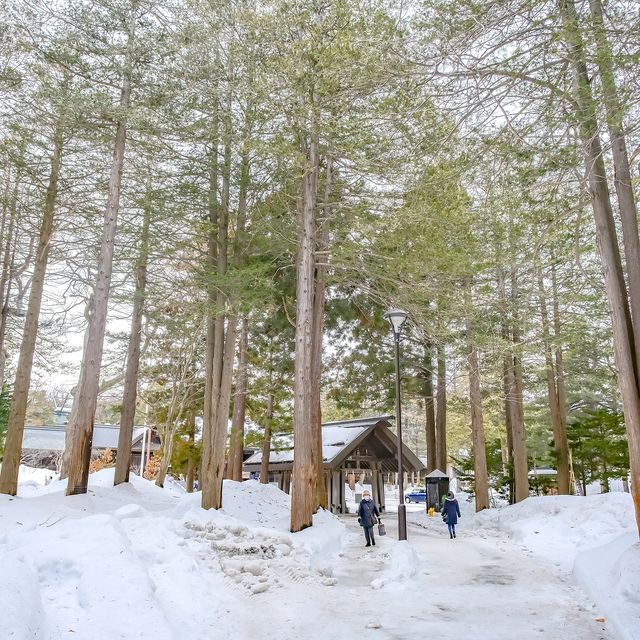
point(365, 446)
point(43, 446)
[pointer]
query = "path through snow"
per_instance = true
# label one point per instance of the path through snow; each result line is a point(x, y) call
point(476, 586)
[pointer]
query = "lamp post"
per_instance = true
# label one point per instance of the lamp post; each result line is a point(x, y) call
point(397, 318)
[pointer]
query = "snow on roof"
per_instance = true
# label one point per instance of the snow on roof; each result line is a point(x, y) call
point(436, 473)
point(46, 438)
point(542, 471)
point(335, 437)
point(52, 438)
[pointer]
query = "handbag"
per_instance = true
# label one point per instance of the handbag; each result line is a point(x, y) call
point(381, 529)
point(445, 517)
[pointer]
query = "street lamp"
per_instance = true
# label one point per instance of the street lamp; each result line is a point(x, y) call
point(397, 318)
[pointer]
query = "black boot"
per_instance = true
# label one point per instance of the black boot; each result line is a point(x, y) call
point(373, 542)
point(368, 544)
point(451, 536)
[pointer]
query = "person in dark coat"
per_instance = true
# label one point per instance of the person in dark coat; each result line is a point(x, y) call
point(367, 513)
point(451, 509)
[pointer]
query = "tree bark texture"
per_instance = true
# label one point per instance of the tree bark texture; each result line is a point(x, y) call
point(86, 398)
point(321, 257)
point(429, 409)
point(266, 442)
point(8, 238)
point(213, 467)
point(236, 448)
point(191, 467)
point(304, 489)
point(123, 459)
point(212, 260)
point(622, 172)
point(65, 461)
point(518, 430)
point(266, 453)
point(18, 410)
point(561, 445)
point(441, 410)
point(623, 336)
point(507, 381)
point(559, 372)
point(481, 478)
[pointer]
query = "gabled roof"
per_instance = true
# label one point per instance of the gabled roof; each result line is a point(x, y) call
point(339, 441)
point(436, 473)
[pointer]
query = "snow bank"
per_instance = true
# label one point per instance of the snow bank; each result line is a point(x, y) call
point(403, 565)
point(323, 542)
point(20, 593)
point(593, 537)
point(611, 576)
point(262, 504)
point(556, 528)
point(142, 561)
point(33, 481)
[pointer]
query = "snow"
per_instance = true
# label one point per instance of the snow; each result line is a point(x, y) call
point(335, 437)
point(403, 566)
point(592, 540)
point(334, 440)
point(137, 561)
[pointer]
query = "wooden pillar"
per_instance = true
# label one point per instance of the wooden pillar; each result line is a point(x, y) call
point(335, 491)
point(375, 486)
point(381, 487)
point(343, 497)
point(327, 483)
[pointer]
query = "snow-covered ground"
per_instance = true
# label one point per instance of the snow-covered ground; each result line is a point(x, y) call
point(590, 541)
point(136, 561)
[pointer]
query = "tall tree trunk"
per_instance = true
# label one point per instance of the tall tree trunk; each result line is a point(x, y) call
point(212, 260)
point(304, 489)
point(481, 478)
point(623, 337)
point(321, 257)
point(18, 411)
point(441, 410)
point(65, 460)
point(123, 459)
point(236, 448)
point(86, 397)
point(266, 443)
point(429, 409)
point(191, 467)
point(559, 433)
point(559, 371)
point(622, 172)
point(224, 338)
point(507, 381)
point(520, 460)
point(8, 237)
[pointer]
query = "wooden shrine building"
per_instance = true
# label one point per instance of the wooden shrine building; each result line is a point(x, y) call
point(365, 447)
